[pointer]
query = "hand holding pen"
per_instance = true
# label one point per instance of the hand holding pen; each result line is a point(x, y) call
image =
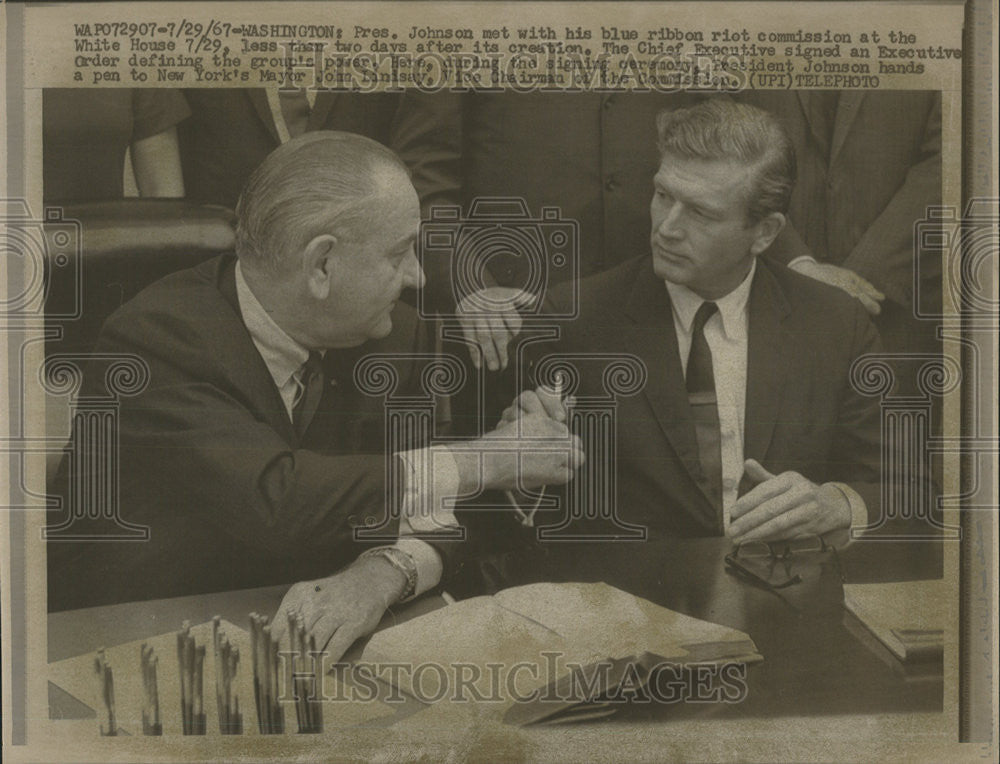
point(547, 401)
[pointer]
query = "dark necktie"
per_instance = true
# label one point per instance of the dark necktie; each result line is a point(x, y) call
point(311, 378)
point(295, 109)
point(700, 382)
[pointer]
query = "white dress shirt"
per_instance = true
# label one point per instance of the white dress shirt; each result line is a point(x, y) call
point(726, 335)
point(431, 478)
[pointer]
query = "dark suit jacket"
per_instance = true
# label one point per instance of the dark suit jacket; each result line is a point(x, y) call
point(230, 131)
point(210, 462)
point(801, 411)
point(858, 198)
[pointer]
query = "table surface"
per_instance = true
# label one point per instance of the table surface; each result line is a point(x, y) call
point(815, 663)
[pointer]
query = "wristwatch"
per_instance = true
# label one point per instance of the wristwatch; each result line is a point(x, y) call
point(401, 561)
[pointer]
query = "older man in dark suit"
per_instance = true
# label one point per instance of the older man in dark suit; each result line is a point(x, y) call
point(252, 456)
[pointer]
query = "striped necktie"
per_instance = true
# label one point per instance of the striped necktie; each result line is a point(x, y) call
point(311, 378)
point(700, 383)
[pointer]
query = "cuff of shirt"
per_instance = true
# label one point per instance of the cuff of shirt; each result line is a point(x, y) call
point(430, 483)
point(801, 259)
point(859, 510)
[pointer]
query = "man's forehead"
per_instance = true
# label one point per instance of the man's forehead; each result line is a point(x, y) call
point(705, 175)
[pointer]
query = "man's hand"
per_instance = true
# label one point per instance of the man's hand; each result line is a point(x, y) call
point(525, 452)
point(553, 454)
point(787, 506)
point(490, 321)
point(842, 278)
point(539, 401)
point(339, 609)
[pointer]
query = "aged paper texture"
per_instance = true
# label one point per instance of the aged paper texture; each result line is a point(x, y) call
point(529, 133)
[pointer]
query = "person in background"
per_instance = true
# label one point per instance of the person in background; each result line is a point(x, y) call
point(87, 131)
point(590, 154)
point(869, 169)
point(232, 130)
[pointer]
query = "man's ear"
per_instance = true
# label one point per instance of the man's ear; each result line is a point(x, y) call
point(319, 262)
point(767, 231)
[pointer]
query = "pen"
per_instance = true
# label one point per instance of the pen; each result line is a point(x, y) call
point(528, 519)
point(197, 705)
point(106, 678)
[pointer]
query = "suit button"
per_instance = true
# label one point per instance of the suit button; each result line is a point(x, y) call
point(609, 102)
point(611, 184)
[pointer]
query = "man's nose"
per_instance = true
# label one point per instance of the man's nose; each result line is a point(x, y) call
point(413, 275)
point(670, 225)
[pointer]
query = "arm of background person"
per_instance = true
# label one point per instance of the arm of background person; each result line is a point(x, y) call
point(156, 162)
point(885, 254)
point(156, 159)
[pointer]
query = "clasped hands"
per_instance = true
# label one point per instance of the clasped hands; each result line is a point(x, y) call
point(339, 609)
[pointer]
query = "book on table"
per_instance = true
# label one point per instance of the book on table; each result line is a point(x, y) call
point(547, 650)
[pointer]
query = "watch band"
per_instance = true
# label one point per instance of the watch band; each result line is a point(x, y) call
point(401, 561)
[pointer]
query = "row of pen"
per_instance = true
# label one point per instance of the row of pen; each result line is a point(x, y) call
point(270, 685)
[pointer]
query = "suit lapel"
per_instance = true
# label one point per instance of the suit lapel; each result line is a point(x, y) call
point(767, 362)
point(258, 383)
point(847, 112)
point(651, 336)
point(258, 98)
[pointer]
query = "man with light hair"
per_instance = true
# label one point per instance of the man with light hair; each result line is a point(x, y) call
point(748, 425)
point(252, 456)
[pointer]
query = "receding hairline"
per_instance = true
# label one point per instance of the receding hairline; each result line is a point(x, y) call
point(345, 168)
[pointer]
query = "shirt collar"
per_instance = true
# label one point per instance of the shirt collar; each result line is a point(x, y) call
point(732, 307)
point(282, 355)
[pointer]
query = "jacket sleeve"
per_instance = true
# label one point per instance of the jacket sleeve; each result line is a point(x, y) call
point(885, 254)
point(190, 443)
point(857, 449)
